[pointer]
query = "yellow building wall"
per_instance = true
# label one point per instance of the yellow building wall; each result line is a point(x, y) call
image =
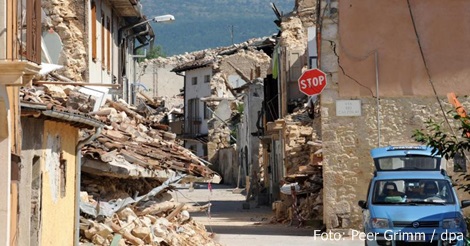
point(58, 213)
point(13, 96)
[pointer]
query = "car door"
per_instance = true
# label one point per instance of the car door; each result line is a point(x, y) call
point(366, 210)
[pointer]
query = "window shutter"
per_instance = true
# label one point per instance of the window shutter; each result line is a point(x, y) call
point(103, 54)
point(93, 31)
point(108, 44)
point(33, 30)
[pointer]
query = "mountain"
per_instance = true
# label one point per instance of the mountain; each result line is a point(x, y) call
point(202, 24)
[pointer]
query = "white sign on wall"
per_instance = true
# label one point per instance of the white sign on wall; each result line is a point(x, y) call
point(348, 108)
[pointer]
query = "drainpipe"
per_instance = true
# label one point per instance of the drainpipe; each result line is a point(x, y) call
point(78, 177)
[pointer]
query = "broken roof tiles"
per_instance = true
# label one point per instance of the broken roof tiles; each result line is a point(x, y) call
point(129, 145)
point(36, 102)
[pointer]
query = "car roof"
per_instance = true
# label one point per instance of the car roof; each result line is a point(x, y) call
point(390, 151)
point(410, 175)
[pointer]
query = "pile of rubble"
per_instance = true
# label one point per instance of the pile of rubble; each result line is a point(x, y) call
point(198, 55)
point(303, 172)
point(301, 195)
point(155, 220)
point(133, 154)
point(133, 143)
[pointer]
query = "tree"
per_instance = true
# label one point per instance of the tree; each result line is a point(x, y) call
point(445, 143)
point(155, 52)
point(450, 144)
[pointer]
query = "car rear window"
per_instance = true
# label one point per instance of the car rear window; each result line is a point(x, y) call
point(407, 163)
point(413, 192)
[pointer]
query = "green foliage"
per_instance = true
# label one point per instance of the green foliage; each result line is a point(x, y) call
point(240, 108)
point(234, 135)
point(155, 52)
point(445, 144)
point(449, 145)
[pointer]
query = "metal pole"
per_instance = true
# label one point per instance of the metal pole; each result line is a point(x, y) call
point(231, 33)
point(377, 93)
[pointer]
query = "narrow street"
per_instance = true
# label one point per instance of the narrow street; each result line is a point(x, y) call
point(233, 225)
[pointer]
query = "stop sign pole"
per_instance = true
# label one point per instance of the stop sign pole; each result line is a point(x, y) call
point(312, 82)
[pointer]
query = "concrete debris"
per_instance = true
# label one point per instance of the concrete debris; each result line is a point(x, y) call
point(204, 55)
point(303, 164)
point(157, 221)
point(119, 163)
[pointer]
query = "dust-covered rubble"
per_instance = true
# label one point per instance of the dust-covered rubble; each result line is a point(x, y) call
point(158, 220)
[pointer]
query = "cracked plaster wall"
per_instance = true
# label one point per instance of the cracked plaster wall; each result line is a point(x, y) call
point(347, 165)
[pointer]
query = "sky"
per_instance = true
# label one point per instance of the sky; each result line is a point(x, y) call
point(199, 25)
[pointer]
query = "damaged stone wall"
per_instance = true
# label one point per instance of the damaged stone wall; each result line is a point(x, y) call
point(249, 64)
point(294, 60)
point(294, 26)
point(303, 163)
point(293, 35)
point(302, 135)
point(246, 62)
point(218, 138)
point(298, 150)
point(68, 19)
point(306, 10)
point(218, 87)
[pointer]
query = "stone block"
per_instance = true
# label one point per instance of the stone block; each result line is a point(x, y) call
point(142, 233)
point(334, 222)
point(342, 207)
point(126, 213)
point(98, 240)
point(104, 230)
point(91, 232)
point(345, 222)
point(306, 131)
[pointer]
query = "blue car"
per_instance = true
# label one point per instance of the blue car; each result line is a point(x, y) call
point(411, 201)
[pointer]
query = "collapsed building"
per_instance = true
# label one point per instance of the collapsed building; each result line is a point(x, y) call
point(215, 84)
point(292, 142)
point(243, 112)
point(124, 174)
point(125, 149)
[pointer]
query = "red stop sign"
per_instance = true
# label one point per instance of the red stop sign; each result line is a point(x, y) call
point(312, 82)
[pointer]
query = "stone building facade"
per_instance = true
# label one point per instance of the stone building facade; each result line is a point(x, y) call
point(398, 65)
